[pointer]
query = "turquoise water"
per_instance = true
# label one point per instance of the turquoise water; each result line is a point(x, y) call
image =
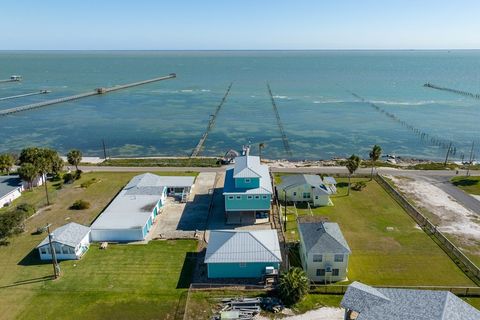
point(321, 118)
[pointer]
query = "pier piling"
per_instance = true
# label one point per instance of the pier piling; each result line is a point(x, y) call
point(286, 145)
point(25, 95)
point(460, 92)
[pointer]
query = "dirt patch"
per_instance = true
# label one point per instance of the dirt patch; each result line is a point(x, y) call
point(326, 313)
point(452, 216)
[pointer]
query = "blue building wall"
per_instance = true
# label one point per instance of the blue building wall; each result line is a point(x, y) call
point(247, 202)
point(247, 183)
point(236, 270)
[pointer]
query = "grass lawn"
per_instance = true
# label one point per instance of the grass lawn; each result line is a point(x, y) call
point(468, 184)
point(140, 281)
point(387, 247)
point(163, 162)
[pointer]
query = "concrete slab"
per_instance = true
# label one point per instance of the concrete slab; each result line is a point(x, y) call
point(182, 220)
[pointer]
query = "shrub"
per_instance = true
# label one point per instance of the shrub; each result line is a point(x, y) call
point(11, 223)
point(80, 205)
point(359, 186)
point(78, 174)
point(27, 208)
point(88, 183)
point(68, 178)
point(293, 286)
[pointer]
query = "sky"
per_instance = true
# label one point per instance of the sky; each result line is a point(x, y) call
point(238, 25)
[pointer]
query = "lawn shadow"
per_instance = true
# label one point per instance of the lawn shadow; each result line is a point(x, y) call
point(188, 267)
point(342, 184)
point(465, 182)
point(27, 281)
point(32, 259)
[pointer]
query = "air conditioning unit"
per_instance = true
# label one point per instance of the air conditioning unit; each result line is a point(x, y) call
point(269, 270)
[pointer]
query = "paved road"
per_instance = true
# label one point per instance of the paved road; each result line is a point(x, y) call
point(324, 170)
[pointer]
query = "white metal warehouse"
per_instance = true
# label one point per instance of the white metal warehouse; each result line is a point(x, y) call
point(130, 216)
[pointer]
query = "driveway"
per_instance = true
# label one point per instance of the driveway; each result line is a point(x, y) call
point(182, 220)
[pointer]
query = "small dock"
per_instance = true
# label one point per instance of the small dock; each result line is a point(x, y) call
point(13, 78)
point(211, 124)
point(25, 95)
point(460, 92)
point(97, 91)
point(286, 145)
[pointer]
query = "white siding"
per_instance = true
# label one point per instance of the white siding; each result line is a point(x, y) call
point(117, 235)
point(327, 260)
point(9, 197)
point(77, 252)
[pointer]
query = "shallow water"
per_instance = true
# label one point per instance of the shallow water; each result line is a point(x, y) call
point(312, 91)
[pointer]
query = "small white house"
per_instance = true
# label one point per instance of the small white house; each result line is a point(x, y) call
point(70, 242)
point(10, 189)
point(304, 188)
point(323, 250)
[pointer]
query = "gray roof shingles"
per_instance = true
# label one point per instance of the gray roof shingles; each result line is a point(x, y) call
point(70, 234)
point(394, 304)
point(8, 184)
point(323, 237)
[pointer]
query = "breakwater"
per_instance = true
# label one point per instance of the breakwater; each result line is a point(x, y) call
point(286, 145)
point(460, 92)
point(25, 95)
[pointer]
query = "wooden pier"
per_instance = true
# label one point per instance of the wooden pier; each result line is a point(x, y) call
point(13, 78)
point(25, 95)
point(460, 92)
point(211, 124)
point(82, 95)
point(286, 145)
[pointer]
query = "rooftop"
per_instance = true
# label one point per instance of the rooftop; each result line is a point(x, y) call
point(264, 188)
point(247, 167)
point(392, 304)
point(70, 234)
point(323, 237)
point(235, 246)
point(313, 180)
point(8, 184)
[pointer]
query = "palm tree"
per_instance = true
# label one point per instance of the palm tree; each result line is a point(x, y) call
point(261, 145)
point(6, 162)
point(293, 286)
point(74, 157)
point(374, 156)
point(352, 165)
point(28, 172)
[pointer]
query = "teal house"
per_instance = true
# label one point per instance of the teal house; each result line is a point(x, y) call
point(247, 191)
point(243, 253)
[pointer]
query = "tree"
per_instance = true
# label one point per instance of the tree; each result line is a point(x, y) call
point(375, 154)
point(352, 165)
point(6, 162)
point(293, 286)
point(74, 157)
point(28, 172)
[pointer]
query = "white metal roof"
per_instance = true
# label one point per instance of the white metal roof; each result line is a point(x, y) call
point(313, 180)
point(235, 246)
point(247, 167)
point(70, 234)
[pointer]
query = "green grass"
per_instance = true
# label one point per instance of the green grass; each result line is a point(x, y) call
point(315, 301)
point(122, 274)
point(404, 255)
point(468, 184)
point(163, 162)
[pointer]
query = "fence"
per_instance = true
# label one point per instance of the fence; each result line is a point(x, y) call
point(468, 267)
point(341, 289)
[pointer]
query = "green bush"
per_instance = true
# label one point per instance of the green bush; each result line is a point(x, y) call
point(78, 174)
point(359, 186)
point(27, 208)
point(80, 205)
point(68, 178)
point(11, 223)
point(293, 286)
point(88, 183)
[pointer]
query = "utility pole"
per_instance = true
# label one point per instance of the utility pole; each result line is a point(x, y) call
point(44, 176)
point(448, 153)
point(104, 150)
point(471, 158)
point(285, 205)
point(56, 267)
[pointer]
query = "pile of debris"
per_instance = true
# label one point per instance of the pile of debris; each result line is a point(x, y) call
point(246, 308)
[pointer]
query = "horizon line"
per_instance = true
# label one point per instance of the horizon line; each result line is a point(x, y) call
point(384, 49)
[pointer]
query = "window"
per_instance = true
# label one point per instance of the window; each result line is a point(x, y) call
point(231, 197)
point(65, 250)
point(247, 180)
point(335, 272)
point(43, 250)
point(238, 197)
point(294, 193)
point(338, 258)
point(306, 195)
point(249, 197)
point(257, 197)
point(316, 197)
point(317, 258)
point(320, 272)
point(242, 264)
point(264, 197)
